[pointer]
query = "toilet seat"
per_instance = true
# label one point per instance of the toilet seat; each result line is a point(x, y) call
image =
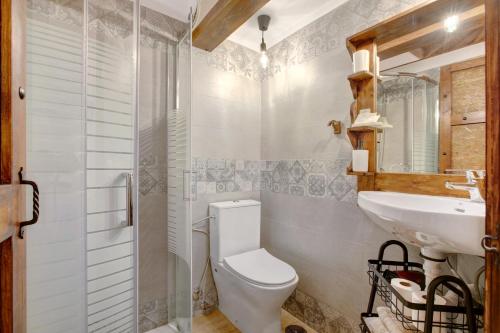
point(260, 267)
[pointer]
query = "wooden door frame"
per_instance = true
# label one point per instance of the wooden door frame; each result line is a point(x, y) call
point(6, 91)
point(13, 156)
point(492, 275)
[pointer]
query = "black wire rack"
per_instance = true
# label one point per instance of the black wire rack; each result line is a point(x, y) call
point(460, 313)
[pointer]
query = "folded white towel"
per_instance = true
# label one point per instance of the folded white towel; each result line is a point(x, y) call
point(390, 321)
point(375, 325)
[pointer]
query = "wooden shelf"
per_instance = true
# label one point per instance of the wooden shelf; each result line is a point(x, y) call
point(358, 81)
point(367, 138)
point(357, 173)
point(360, 76)
point(362, 129)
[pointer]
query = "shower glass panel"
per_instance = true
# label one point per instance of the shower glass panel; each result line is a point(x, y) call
point(164, 161)
point(55, 114)
point(108, 141)
point(179, 149)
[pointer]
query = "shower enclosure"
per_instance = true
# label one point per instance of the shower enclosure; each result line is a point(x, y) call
point(410, 104)
point(108, 141)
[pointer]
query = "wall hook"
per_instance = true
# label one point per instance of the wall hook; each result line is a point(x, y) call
point(336, 126)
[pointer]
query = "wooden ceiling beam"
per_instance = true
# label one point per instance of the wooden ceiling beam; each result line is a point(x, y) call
point(222, 20)
point(414, 19)
point(433, 39)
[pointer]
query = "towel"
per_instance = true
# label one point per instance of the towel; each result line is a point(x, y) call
point(375, 325)
point(392, 324)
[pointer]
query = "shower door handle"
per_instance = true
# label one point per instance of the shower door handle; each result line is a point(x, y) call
point(36, 203)
point(130, 200)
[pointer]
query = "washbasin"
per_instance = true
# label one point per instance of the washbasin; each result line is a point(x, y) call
point(438, 225)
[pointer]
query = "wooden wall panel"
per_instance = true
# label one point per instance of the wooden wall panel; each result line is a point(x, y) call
point(468, 147)
point(462, 116)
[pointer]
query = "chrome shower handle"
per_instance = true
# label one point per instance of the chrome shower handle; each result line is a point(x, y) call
point(130, 199)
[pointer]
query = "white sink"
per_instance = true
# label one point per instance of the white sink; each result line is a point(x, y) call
point(438, 225)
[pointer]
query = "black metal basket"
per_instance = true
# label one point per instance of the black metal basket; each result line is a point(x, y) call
point(465, 315)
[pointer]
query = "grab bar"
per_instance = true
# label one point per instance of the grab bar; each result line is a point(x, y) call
point(36, 204)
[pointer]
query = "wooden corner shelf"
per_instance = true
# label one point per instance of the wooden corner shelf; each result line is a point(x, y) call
point(365, 134)
point(359, 81)
point(364, 90)
point(357, 173)
point(362, 129)
point(366, 137)
point(360, 76)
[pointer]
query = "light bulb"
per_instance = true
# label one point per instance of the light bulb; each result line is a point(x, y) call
point(451, 23)
point(264, 59)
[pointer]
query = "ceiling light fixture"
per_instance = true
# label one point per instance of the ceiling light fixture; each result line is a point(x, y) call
point(263, 25)
point(451, 23)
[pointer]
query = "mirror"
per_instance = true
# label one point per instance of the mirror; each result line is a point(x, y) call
point(432, 95)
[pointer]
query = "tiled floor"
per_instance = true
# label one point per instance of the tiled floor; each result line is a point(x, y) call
point(162, 329)
point(216, 322)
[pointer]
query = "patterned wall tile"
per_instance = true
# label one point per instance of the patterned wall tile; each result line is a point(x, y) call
point(313, 178)
point(330, 31)
point(319, 316)
point(316, 185)
point(153, 314)
point(232, 57)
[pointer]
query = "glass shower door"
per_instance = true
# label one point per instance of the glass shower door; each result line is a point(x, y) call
point(111, 44)
point(164, 296)
point(180, 178)
point(109, 146)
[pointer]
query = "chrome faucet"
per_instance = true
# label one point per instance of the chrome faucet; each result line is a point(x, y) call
point(471, 185)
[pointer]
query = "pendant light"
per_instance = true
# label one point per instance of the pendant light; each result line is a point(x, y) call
point(263, 25)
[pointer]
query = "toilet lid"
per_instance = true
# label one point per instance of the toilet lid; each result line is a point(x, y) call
point(258, 266)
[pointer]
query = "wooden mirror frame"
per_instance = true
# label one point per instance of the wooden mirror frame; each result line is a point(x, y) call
point(416, 30)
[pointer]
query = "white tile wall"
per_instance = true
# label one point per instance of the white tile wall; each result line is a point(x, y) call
point(226, 123)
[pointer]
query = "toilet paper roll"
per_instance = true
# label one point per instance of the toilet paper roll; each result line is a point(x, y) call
point(420, 297)
point(361, 61)
point(405, 288)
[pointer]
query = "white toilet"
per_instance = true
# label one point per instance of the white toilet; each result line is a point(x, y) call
point(252, 284)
